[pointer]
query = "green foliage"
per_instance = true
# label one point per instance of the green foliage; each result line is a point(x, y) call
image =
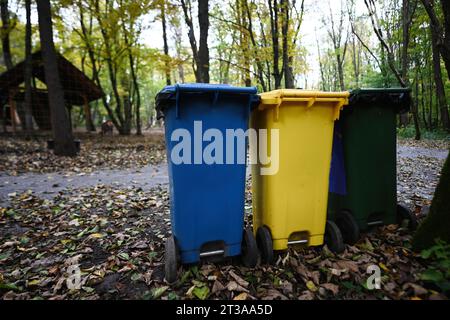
point(409, 132)
point(438, 259)
point(234, 58)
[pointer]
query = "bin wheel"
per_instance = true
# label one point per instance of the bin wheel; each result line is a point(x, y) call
point(404, 213)
point(249, 250)
point(333, 237)
point(171, 260)
point(265, 245)
point(348, 226)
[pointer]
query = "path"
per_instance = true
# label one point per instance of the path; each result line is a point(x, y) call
point(48, 185)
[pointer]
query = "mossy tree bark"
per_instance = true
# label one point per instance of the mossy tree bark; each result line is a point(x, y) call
point(437, 224)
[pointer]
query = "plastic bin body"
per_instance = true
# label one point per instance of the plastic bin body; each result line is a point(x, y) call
point(292, 203)
point(367, 136)
point(207, 200)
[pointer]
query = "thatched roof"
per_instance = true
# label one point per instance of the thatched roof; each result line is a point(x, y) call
point(76, 84)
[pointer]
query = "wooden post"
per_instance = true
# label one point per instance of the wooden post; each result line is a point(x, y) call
point(69, 111)
point(12, 110)
point(87, 115)
point(3, 115)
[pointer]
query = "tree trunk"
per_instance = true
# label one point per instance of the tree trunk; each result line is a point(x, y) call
point(273, 10)
point(430, 102)
point(405, 44)
point(111, 70)
point(137, 92)
point(340, 67)
point(179, 46)
point(440, 89)
point(287, 67)
point(61, 126)
point(244, 43)
point(445, 51)
point(5, 34)
point(28, 70)
point(203, 50)
point(95, 71)
point(259, 65)
point(443, 32)
point(127, 109)
point(437, 223)
point(187, 10)
point(422, 100)
point(355, 61)
point(166, 46)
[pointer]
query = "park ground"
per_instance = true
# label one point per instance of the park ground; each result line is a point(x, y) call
point(107, 211)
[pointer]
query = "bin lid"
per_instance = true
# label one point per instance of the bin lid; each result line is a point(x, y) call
point(207, 87)
point(397, 98)
point(170, 93)
point(275, 98)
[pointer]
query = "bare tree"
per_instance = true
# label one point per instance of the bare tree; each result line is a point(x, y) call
point(287, 67)
point(62, 129)
point(259, 64)
point(442, 32)
point(321, 67)
point(166, 45)
point(274, 31)
point(401, 75)
point(370, 5)
point(86, 36)
point(337, 34)
point(200, 53)
point(179, 46)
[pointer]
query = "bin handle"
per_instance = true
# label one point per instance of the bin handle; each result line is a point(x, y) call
point(337, 110)
point(310, 101)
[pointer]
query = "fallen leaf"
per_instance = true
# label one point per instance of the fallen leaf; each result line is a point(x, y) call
point(217, 287)
point(158, 292)
point(201, 292)
point(272, 294)
point(234, 286)
point(238, 279)
point(306, 295)
point(241, 296)
point(331, 287)
point(311, 286)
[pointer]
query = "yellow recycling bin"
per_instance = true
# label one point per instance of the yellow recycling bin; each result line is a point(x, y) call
point(290, 193)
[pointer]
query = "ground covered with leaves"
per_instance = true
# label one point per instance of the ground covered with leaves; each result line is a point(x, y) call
point(115, 238)
point(20, 155)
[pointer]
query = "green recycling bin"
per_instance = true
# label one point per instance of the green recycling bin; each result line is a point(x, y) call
point(363, 178)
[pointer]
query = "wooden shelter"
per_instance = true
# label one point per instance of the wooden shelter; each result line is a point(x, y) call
point(78, 89)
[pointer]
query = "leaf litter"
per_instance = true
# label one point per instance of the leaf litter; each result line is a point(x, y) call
point(115, 237)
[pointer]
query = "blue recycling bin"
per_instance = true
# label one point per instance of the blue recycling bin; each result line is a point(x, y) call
point(204, 126)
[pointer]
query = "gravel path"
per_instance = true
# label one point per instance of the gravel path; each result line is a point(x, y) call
point(415, 152)
point(49, 185)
